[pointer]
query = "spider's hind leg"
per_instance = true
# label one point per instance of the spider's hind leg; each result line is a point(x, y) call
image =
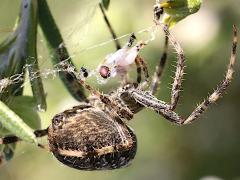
point(12, 139)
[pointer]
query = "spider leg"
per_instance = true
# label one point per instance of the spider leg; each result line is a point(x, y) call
point(221, 87)
point(177, 82)
point(122, 111)
point(139, 71)
point(148, 100)
point(159, 68)
point(141, 64)
point(144, 67)
point(13, 139)
point(114, 36)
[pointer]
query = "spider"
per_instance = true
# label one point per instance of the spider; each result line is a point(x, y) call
point(95, 135)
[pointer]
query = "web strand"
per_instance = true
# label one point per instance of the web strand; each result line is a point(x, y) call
point(53, 72)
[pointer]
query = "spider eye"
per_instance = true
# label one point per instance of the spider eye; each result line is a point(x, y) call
point(105, 72)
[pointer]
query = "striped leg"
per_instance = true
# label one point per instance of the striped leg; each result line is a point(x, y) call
point(159, 68)
point(118, 108)
point(139, 71)
point(143, 66)
point(177, 82)
point(12, 139)
point(164, 109)
point(221, 87)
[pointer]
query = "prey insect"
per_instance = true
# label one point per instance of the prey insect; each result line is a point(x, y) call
point(119, 62)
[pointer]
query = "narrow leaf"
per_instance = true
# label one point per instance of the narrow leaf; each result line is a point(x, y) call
point(60, 53)
point(12, 122)
point(17, 50)
point(105, 4)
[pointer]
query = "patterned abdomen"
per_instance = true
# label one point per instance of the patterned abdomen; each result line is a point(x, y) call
point(89, 139)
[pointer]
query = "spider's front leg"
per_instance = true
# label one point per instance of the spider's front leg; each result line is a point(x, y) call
point(116, 109)
point(177, 82)
point(148, 100)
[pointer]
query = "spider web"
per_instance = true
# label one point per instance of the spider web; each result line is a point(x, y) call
point(76, 36)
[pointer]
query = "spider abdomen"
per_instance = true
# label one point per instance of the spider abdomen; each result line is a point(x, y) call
point(89, 139)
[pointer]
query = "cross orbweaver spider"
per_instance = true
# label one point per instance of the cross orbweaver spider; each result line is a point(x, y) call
point(95, 136)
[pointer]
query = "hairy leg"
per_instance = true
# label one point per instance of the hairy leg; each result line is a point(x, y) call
point(221, 87)
point(114, 106)
point(148, 100)
point(177, 82)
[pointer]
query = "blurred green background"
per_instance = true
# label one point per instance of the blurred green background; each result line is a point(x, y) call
point(208, 148)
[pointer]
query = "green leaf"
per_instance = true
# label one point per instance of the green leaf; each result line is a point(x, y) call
point(24, 107)
point(58, 50)
point(176, 10)
point(105, 3)
point(17, 50)
point(15, 125)
point(30, 15)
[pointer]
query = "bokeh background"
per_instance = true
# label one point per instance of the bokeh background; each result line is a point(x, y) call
point(207, 149)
